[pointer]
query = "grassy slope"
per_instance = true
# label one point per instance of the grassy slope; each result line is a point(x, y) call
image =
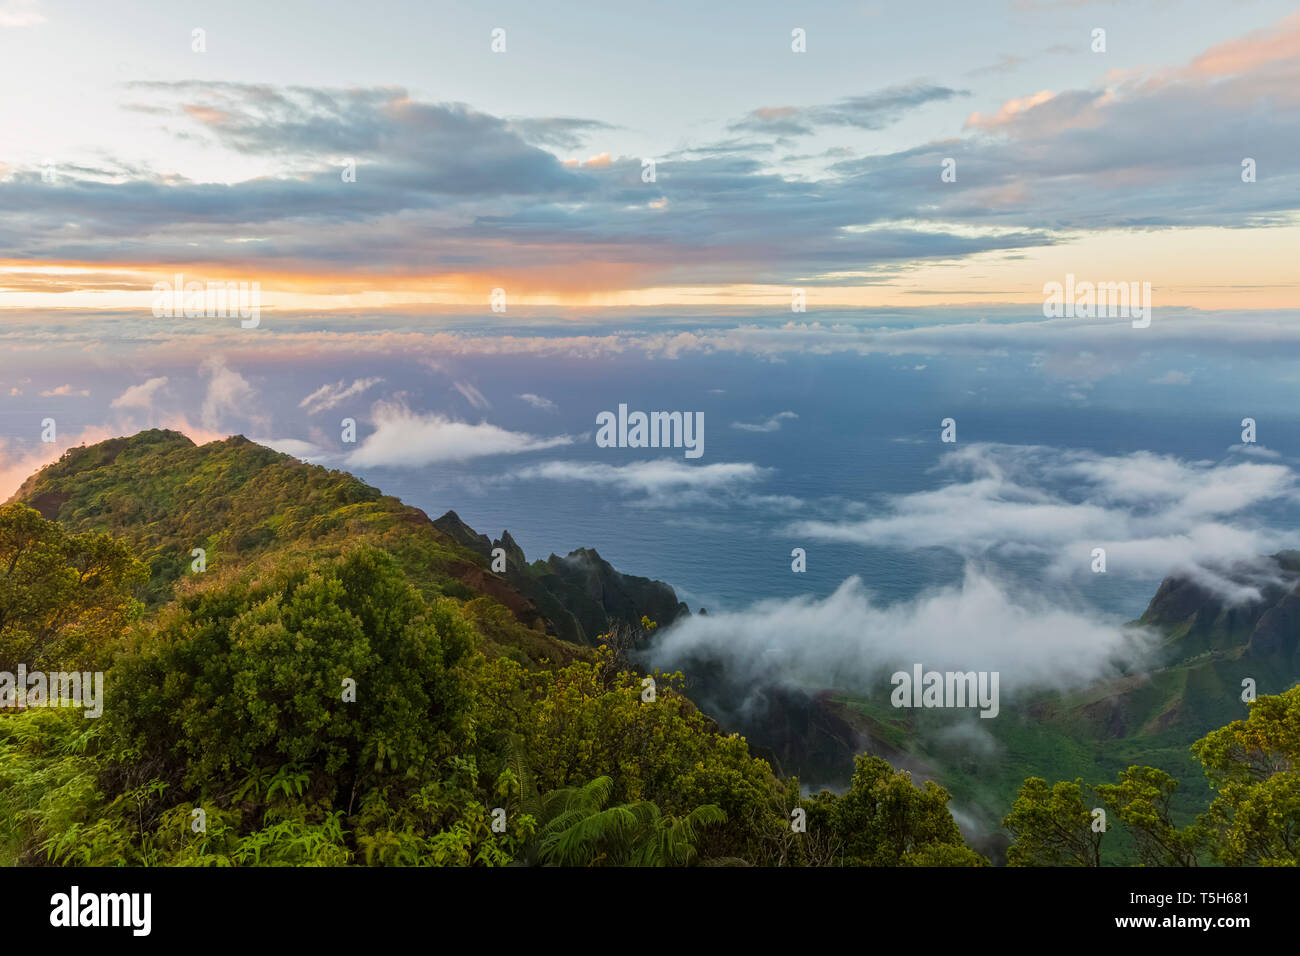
point(242, 502)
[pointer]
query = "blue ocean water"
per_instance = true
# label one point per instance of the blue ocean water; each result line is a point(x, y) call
point(868, 427)
point(863, 428)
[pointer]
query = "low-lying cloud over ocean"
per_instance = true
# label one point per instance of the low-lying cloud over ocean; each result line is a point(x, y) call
point(1069, 348)
point(1152, 514)
point(851, 641)
point(662, 482)
point(403, 438)
point(996, 506)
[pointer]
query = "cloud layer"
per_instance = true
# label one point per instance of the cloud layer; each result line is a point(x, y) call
point(444, 191)
point(1152, 514)
point(852, 641)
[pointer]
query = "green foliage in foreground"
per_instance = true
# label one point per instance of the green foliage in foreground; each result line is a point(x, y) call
point(1253, 767)
point(63, 597)
point(883, 820)
point(324, 711)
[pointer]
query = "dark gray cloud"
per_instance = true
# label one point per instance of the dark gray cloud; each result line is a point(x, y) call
point(445, 148)
point(872, 111)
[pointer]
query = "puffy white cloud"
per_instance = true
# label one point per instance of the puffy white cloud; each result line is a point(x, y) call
point(142, 395)
point(850, 640)
point(538, 402)
point(406, 439)
point(1153, 514)
point(228, 394)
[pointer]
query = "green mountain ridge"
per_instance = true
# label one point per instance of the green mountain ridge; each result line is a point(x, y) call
point(240, 501)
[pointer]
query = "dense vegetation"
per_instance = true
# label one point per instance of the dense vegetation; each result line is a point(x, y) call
point(323, 711)
point(329, 691)
point(1253, 766)
point(63, 597)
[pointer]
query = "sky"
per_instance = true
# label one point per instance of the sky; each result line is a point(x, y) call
point(220, 155)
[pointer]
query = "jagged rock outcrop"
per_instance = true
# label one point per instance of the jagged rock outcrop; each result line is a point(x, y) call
point(601, 597)
point(453, 527)
point(579, 597)
point(1199, 619)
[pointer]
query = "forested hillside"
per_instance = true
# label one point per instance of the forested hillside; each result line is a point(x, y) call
point(304, 671)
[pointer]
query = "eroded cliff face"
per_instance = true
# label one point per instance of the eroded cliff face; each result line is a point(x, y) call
point(1265, 628)
point(578, 597)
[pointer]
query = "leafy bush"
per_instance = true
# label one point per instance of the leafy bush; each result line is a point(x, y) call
point(64, 598)
point(251, 674)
